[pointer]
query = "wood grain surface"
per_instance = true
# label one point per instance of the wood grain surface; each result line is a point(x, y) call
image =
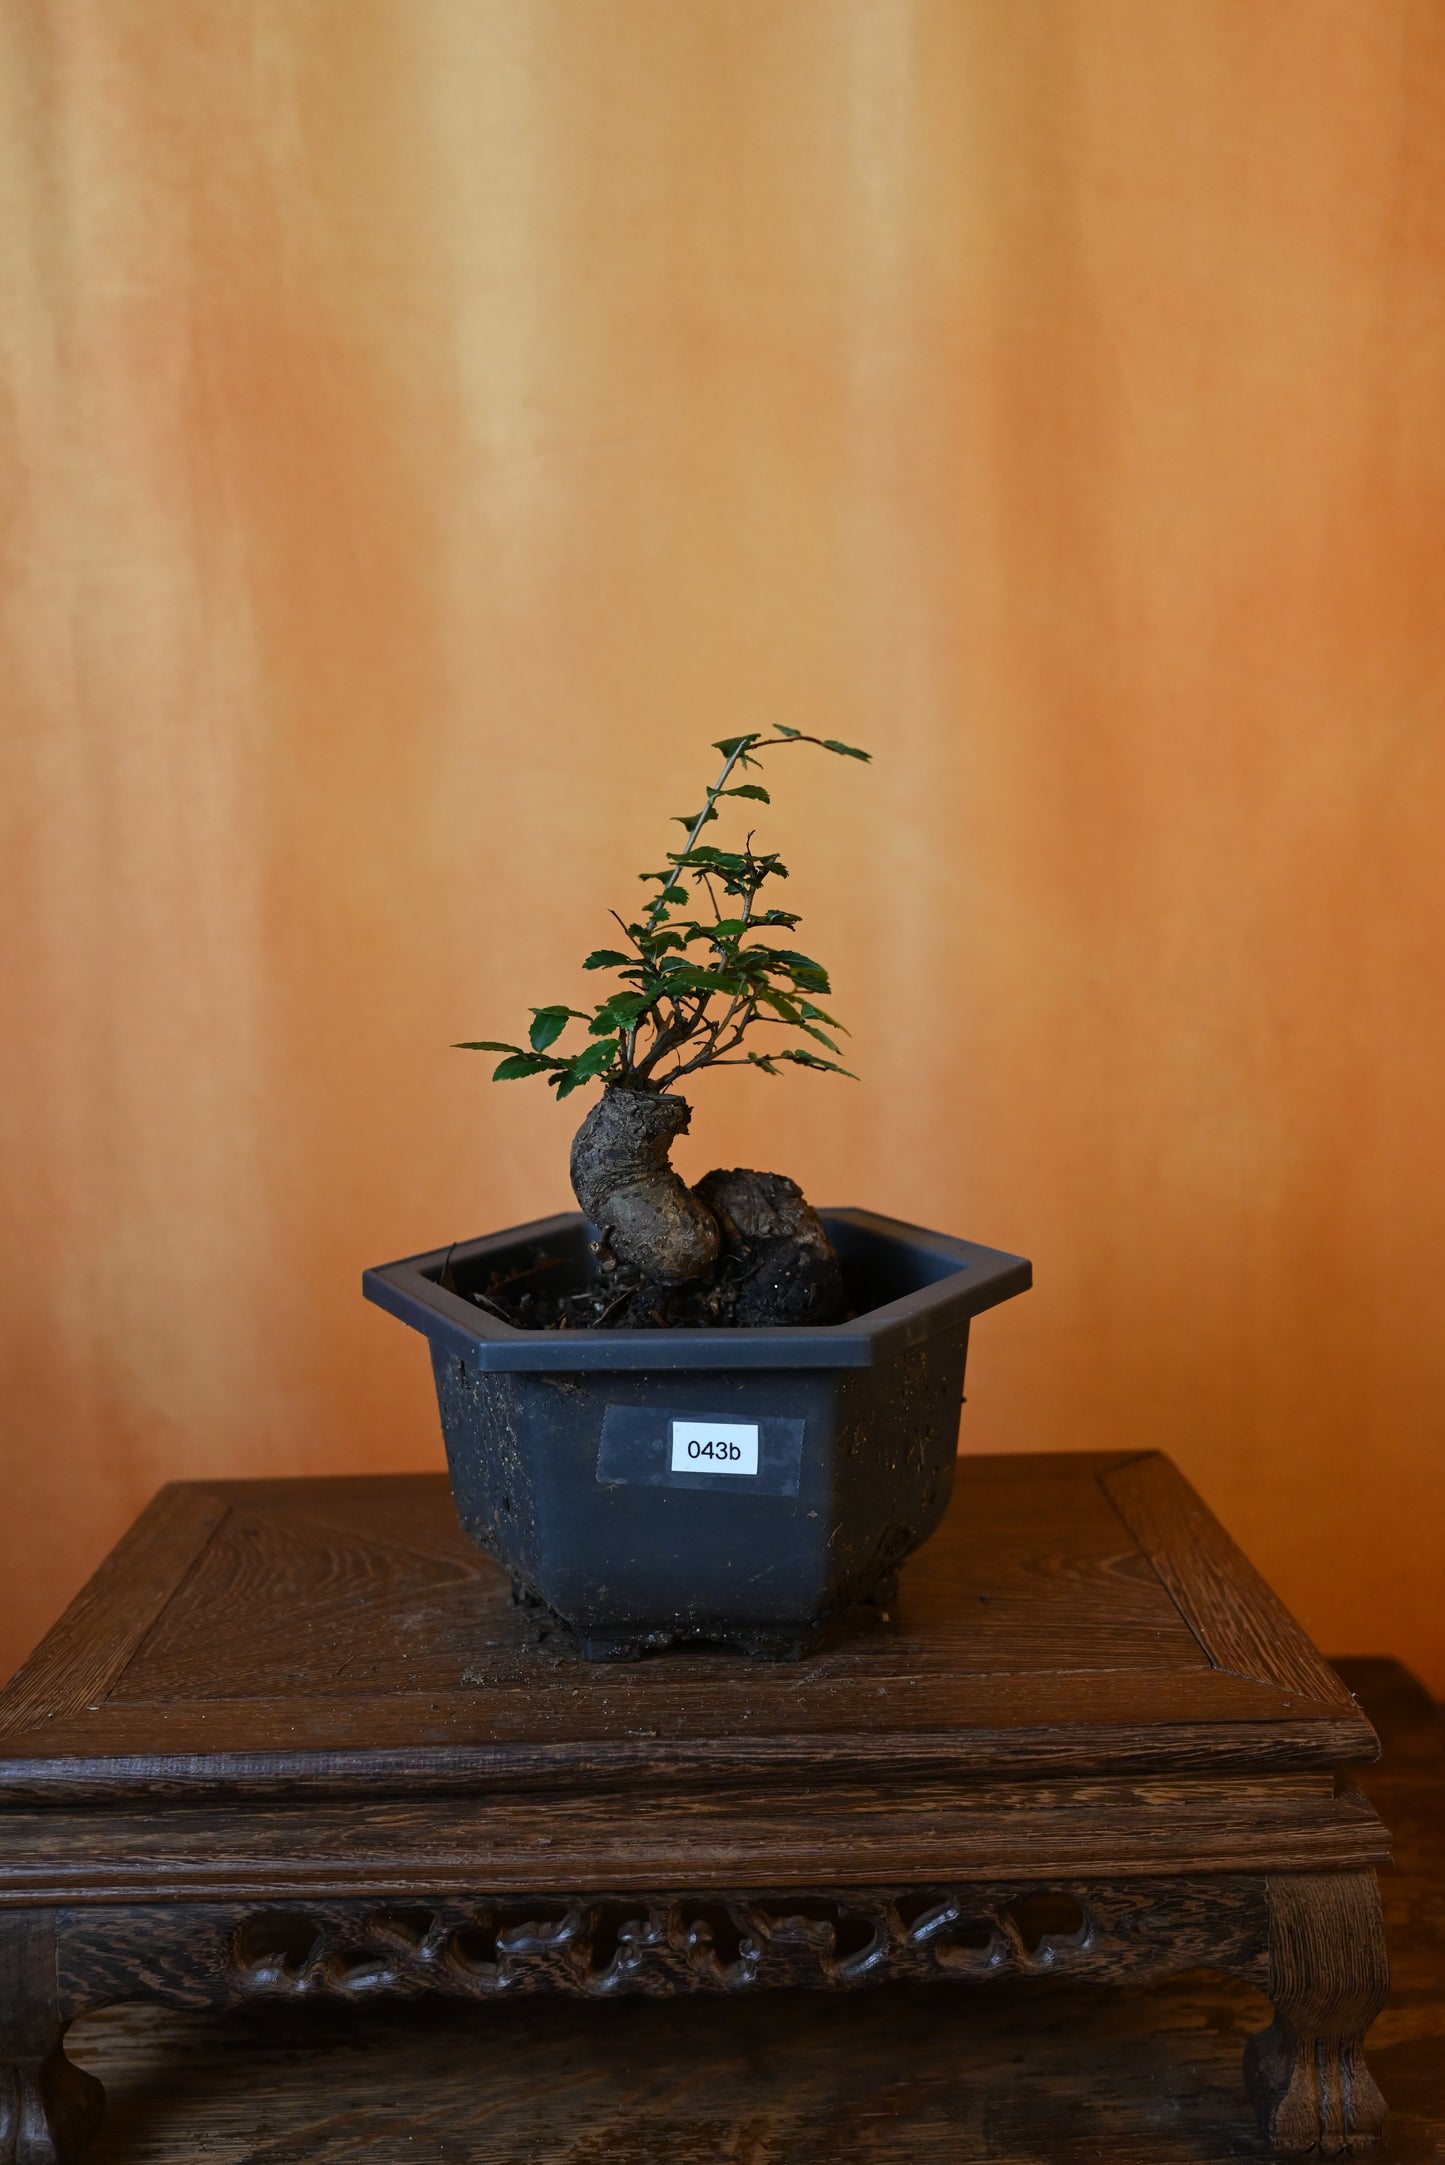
point(49, 2108)
point(1240, 1621)
point(1329, 1976)
point(75, 1668)
point(777, 1837)
point(1060, 1585)
point(1031, 2074)
point(344, 1634)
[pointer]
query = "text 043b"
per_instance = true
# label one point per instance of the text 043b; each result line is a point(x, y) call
point(715, 1447)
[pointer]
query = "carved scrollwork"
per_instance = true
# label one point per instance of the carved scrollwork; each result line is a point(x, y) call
point(663, 1945)
point(601, 1946)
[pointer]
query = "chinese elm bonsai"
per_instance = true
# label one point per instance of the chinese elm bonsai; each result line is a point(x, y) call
point(698, 984)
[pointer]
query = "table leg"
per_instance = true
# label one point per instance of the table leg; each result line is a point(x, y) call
point(49, 2110)
point(1329, 1976)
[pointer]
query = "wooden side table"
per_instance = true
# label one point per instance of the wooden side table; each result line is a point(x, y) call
point(295, 1740)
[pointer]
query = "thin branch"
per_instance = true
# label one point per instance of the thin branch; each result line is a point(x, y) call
point(700, 822)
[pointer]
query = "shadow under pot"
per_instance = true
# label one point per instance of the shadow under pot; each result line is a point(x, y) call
point(735, 1487)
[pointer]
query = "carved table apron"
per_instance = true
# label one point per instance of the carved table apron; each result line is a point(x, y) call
point(296, 1741)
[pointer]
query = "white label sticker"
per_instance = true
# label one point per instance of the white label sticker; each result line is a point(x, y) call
point(715, 1447)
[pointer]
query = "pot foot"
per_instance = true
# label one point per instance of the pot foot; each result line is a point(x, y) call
point(753, 1642)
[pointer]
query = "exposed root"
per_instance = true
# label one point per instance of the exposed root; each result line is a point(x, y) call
point(741, 1248)
point(788, 1270)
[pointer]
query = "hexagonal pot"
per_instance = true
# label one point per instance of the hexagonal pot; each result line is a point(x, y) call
point(734, 1486)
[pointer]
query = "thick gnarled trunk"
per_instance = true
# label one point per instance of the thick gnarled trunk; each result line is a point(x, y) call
point(740, 1248)
point(624, 1180)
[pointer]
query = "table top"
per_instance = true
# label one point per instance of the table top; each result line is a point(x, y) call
point(340, 1635)
point(1080, 1647)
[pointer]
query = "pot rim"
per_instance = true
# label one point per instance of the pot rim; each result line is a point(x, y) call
point(969, 1279)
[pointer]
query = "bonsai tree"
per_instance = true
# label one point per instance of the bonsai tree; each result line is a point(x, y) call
point(701, 983)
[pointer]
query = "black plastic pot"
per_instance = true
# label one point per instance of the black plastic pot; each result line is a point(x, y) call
point(733, 1486)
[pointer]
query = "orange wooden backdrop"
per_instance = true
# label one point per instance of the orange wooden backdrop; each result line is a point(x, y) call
point(429, 422)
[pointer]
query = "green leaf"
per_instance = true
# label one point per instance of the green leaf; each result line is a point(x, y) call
point(698, 819)
point(721, 860)
point(619, 1013)
point(807, 975)
point(802, 1058)
point(820, 1036)
point(849, 751)
point(520, 1064)
point(749, 789)
point(784, 731)
point(726, 928)
point(674, 894)
point(728, 745)
point(484, 1044)
point(689, 978)
point(776, 917)
point(566, 1084)
point(548, 1024)
point(816, 1014)
point(605, 958)
point(594, 1061)
point(764, 1061)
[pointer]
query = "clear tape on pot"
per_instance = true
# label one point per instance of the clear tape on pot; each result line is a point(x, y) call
point(663, 1448)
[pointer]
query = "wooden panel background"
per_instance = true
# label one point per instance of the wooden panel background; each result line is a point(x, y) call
point(427, 424)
